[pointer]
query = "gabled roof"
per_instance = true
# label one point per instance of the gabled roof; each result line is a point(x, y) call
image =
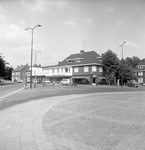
point(86, 57)
point(19, 68)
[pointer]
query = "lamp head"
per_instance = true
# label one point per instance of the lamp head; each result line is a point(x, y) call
point(39, 25)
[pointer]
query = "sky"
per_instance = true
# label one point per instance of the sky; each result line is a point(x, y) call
point(66, 24)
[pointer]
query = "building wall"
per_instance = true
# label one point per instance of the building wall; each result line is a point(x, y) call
point(82, 70)
point(19, 75)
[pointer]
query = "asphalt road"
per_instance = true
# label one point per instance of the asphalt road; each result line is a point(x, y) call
point(7, 87)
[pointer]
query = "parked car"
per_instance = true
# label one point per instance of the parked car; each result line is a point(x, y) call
point(65, 81)
point(1, 80)
point(132, 83)
point(20, 81)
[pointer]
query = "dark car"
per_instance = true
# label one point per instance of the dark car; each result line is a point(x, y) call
point(132, 83)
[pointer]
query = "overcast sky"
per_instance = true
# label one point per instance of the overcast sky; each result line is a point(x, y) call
point(66, 24)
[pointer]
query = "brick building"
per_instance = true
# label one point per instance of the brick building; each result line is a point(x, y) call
point(140, 72)
point(19, 73)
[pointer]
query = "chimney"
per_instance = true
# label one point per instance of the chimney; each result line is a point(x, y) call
point(82, 51)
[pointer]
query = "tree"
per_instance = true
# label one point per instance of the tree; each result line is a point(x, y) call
point(8, 71)
point(125, 71)
point(111, 63)
point(2, 67)
point(132, 62)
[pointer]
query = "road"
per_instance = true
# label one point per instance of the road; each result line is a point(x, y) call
point(8, 87)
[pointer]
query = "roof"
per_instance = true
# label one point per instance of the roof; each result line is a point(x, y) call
point(19, 68)
point(49, 66)
point(140, 66)
point(86, 57)
point(141, 63)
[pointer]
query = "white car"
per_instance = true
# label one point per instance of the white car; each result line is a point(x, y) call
point(1, 80)
point(65, 81)
point(20, 81)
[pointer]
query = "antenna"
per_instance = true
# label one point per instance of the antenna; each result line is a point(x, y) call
point(84, 45)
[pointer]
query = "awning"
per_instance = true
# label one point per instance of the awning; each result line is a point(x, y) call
point(101, 77)
point(81, 77)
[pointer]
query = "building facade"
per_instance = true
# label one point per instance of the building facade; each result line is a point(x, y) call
point(83, 67)
point(20, 73)
point(140, 72)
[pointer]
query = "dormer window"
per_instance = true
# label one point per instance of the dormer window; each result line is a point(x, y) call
point(99, 58)
point(140, 67)
point(77, 60)
point(69, 60)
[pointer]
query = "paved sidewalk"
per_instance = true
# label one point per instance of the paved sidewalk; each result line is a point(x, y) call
point(21, 125)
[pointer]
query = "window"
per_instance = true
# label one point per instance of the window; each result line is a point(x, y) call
point(55, 70)
point(86, 69)
point(78, 60)
point(140, 67)
point(70, 61)
point(100, 69)
point(94, 68)
point(140, 73)
point(67, 69)
point(76, 69)
point(140, 80)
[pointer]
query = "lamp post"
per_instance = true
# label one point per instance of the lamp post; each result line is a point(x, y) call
point(32, 29)
point(122, 60)
point(36, 55)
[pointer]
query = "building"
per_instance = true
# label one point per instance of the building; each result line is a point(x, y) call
point(38, 73)
point(19, 73)
point(83, 67)
point(140, 72)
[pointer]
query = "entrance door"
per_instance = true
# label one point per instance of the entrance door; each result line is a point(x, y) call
point(94, 81)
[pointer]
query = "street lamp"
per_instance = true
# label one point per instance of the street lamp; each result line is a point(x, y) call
point(36, 55)
point(122, 60)
point(28, 28)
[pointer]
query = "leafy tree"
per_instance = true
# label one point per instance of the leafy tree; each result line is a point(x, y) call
point(2, 67)
point(126, 71)
point(111, 63)
point(132, 62)
point(8, 73)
